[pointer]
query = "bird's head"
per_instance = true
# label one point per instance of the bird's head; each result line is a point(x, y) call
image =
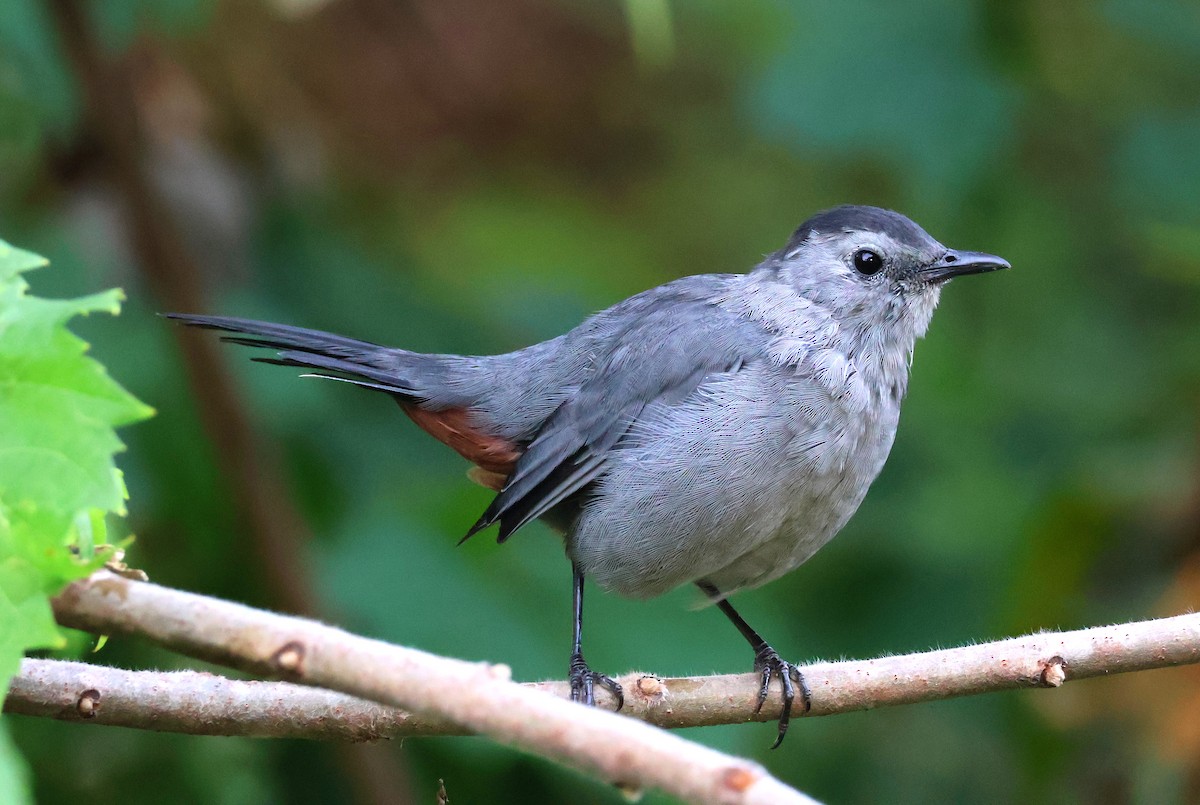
point(874, 266)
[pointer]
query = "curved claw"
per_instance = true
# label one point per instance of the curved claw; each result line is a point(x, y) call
point(768, 663)
point(584, 680)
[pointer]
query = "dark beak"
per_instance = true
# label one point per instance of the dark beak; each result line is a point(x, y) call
point(958, 264)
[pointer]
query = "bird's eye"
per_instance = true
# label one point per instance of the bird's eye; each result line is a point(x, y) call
point(867, 262)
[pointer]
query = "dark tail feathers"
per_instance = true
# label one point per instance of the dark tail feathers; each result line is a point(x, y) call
point(349, 360)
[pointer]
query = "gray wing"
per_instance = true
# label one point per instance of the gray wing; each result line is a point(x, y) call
point(658, 346)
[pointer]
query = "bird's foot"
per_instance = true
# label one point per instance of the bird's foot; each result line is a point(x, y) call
point(584, 681)
point(768, 663)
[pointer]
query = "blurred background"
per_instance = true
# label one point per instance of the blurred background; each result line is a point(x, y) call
point(471, 176)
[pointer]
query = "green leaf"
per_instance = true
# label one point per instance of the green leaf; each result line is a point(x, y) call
point(14, 776)
point(58, 480)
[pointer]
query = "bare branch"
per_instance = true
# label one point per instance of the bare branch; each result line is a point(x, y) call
point(477, 697)
point(199, 703)
point(206, 704)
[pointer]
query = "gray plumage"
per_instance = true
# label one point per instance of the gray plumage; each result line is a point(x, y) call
point(717, 429)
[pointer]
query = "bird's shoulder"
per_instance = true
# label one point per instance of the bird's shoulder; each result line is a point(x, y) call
point(711, 315)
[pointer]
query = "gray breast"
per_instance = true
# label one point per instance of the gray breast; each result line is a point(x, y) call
point(737, 484)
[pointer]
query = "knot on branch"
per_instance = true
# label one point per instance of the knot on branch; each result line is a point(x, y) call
point(88, 703)
point(738, 778)
point(1054, 672)
point(651, 687)
point(289, 659)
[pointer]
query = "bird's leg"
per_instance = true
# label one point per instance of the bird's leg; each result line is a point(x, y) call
point(584, 679)
point(767, 662)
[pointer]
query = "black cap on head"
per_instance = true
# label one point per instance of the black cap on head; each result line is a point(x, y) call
point(852, 218)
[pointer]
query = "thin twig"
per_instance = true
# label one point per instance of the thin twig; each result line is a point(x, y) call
point(206, 704)
point(473, 696)
point(197, 703)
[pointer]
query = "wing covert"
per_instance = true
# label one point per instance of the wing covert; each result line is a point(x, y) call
point(664, 356)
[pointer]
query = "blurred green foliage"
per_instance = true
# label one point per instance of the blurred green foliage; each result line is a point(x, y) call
point(472, 177)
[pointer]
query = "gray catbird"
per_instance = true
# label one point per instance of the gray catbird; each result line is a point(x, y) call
point(716, 430)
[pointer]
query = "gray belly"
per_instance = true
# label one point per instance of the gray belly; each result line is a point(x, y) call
point(739, 484)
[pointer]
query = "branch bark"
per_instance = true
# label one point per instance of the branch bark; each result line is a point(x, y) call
point(471, 696)
point(198, 703)
point(206, 704)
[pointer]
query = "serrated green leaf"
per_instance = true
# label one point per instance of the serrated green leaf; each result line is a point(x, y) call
point(13, 261)
point(58, 480)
